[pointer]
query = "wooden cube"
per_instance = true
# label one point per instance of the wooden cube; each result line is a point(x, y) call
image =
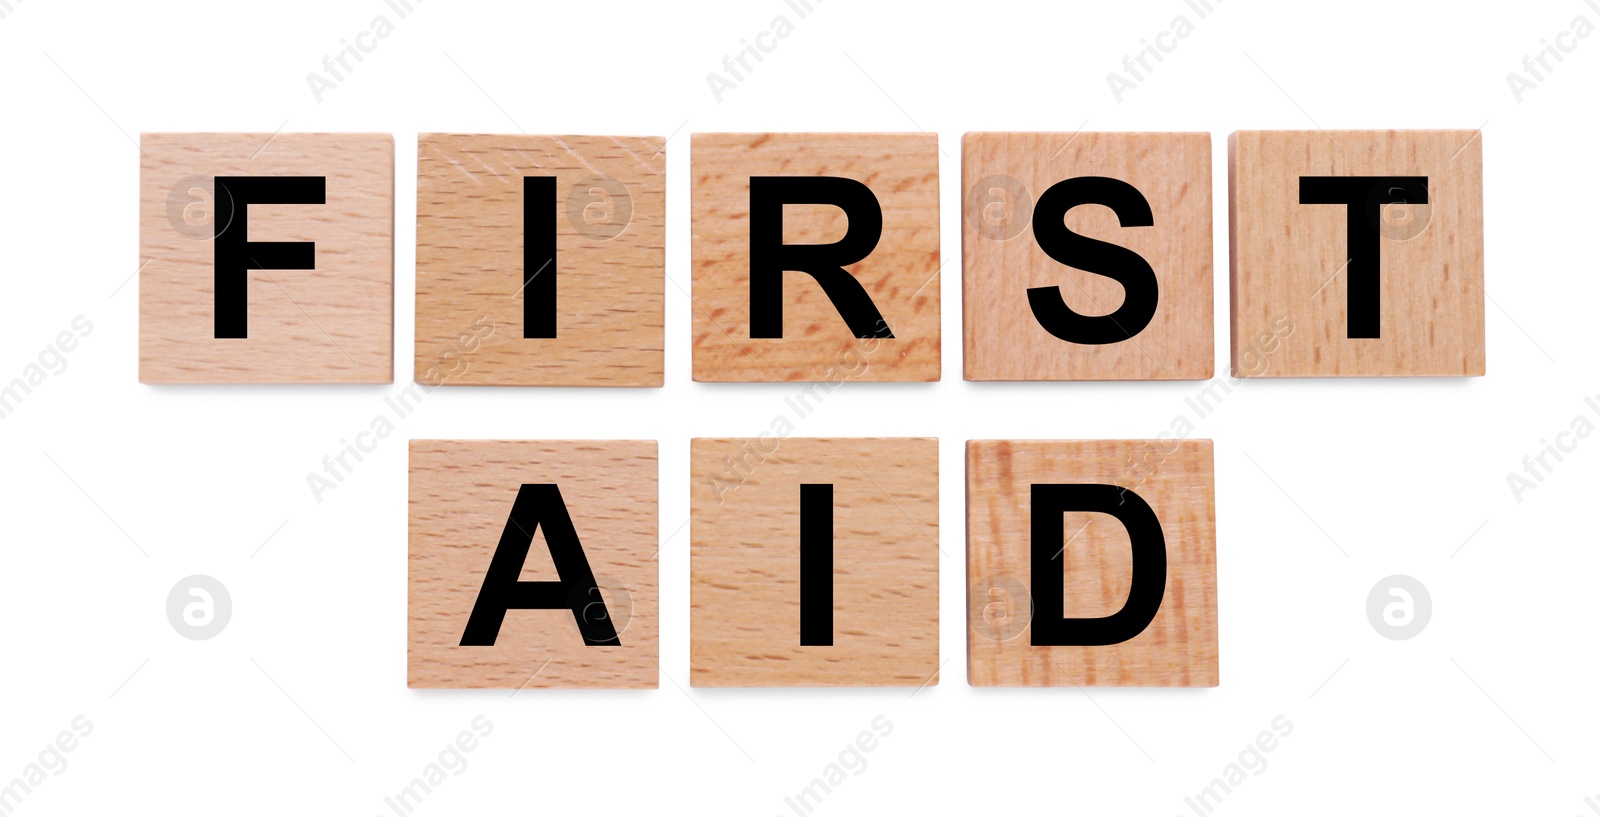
point(861, 303)
point(1101, 506)
point(1377, 276)
point(540, 260)
point(533, 564)
point(266, 258)
point(1066, 314)
point(814, 562)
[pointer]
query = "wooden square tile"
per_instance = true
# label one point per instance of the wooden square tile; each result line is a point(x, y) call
point(540, 260)
point(1105, 614)
point(297, 228)
point(1389, 286)
point(1136, 210)
point(878, 318)
point(853, 523)
point(533, 564)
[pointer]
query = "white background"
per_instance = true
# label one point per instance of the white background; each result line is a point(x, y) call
point(300, 705)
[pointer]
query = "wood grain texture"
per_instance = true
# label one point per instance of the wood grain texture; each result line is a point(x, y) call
point(745, 562)
point(901, 273)
point(1176, 478)
point(610, 260)
point(1003, 174)
point(461, 497)
point(1289, 288)
point(331, 324)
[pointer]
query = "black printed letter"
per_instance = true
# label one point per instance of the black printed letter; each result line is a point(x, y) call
point(770, 257)
point(234, 255)
point(1364, 198)
point(816, 565)
point(576, 591)
point(1120, 264)
point(538, 256)
point(1149, 585)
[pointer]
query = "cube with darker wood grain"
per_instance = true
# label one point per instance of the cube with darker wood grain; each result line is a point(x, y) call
point(816, 256)
point(1091, 563)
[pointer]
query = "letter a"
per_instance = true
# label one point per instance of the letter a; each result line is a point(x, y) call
point(576, 591)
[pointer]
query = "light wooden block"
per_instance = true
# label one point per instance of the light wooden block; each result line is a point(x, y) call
point(745, 564)
point(609, 210)
point(462, 496)
point(1290, 283)
point(333, 323)
point(1175, 478)
point(901, 274)
point(1003, 175)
